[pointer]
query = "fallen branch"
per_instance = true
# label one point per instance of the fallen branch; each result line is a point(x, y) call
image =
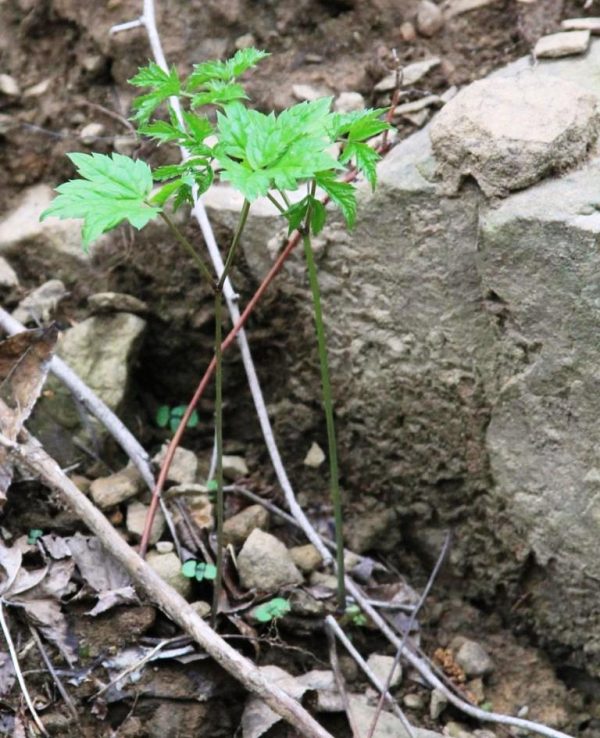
point(31, 454)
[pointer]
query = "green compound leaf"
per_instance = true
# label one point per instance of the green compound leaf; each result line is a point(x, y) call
point(318, 216)
point(33, 536)
point(226, 71)
point(189, 568)
point(162, 416)
point(163, 84)
point(342, 194)
point(296, 214)
point(219, 93)
point(113, 189)
point(365, 159)
point(271, 610)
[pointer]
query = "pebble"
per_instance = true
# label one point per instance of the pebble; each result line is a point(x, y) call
point(458, 7)
point(202, 608)
point(9, 86)
point(39, 305)
point(234, 467)
point(418, 119)
point(430, 19)
point(408, 32)
point(417, 105)
point(413, 701)
point(165, 547)
point(347, 102)
point(305, 605)
point(265, 564)
point(411, 74)
point(476, 688)
point(474, 659)
point(93, 63)
point(237, 528)
point(314, 456)
point(306, 558)
point(90, 133)
point(309, 93)
point(455, 730)
point(136, 522)
point(116, 302)
point(8, 276)
point(168, 567)
point(381, 666)
point(112, 490)
point(39, 89)
point(184, 469)
point(567, 43)
point(245, 42)
point(437, 704)
point(125, 145)
point(582, 24)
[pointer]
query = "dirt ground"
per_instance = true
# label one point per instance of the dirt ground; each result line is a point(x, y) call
point(71, 72)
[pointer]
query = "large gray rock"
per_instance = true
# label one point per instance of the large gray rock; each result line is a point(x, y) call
point(464, 354)
point(509, 133)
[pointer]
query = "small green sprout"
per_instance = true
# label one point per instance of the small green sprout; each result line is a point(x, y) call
point(34, 535)
point(171, 416)
point(355, 615)
point(271, 610)
point(198, 570)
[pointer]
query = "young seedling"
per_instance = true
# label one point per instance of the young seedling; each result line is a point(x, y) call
point(198, 570)
point(260, 155)
point(271, 610)
point(171, 416)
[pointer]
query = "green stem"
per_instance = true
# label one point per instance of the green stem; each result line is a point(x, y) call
point(219, 445)
point(277, 205)
point(234, 244)
point(336, 496)
point(199, 261)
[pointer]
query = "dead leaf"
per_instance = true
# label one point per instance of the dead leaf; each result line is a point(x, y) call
point(38, 594)
point(101, 572)
point(7, 673)
point(24, 363)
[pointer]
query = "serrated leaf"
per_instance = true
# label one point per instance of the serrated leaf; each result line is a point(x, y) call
point(184, 196)
point(245, 59)
point(341, 193)
point(163, 84)
point(189, 568)
point(226, 71)
point(271, 610)
point(199, 127)
point(296, 214)
point(162, 416)
point(160, 198)
point(112, 189)
point(365, 159)
point(318, 216)
point(219, 93)
point(161, 131)
point(358, 125)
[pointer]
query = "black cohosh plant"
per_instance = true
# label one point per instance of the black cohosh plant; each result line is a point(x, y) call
point(260, 155)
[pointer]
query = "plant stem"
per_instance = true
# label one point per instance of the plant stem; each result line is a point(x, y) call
point(219, 447)
point(234, 245)
point(198, 260)
point(334, 480)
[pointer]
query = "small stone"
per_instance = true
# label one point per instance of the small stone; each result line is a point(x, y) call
point(475, 687)
point(458, 7)
point(474, 659)
point(245, 42)
point(165, 547)
point(265, 564)
point(321, 579)
point(125, 145)
point(93, 63)
point(39, 305)
point(39, 89)
point(313, 58)
point(315, 456)
point(437, 704)
point(418, 119)
point(416, 105)
point(82, 483)
point(184, 469)
point(582, 24)
point(203, 609)
point(110, 491)
point(306, 558)
point(168, 567)
point(410, 74)
point(309, 93)
point(347, 102)
point(237, 528)
point(414, 701)
point(136, 522)
point(408, 32)
point(456, 730)
point(381, 666)
point(430, 19)
point(116, 302)
point(304, 605)
point(9, 86)
point(567, 43)
point(483, 733)
point(8, 276)
point(234, 467)
point(91, 132)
